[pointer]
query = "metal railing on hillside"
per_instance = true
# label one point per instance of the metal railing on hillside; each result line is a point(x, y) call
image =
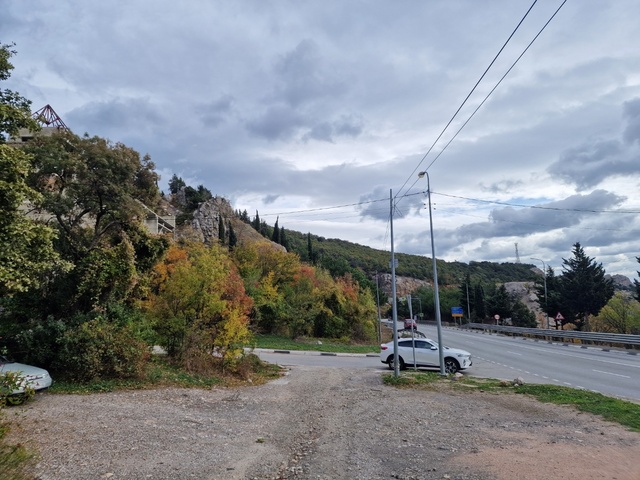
point(584, 338)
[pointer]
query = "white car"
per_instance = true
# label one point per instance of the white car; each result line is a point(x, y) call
point(426, 355)
point(32, 377)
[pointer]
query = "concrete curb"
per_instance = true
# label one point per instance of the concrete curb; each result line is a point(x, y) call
point(312, 352)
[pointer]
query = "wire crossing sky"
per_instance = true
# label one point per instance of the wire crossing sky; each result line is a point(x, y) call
point(305, 106)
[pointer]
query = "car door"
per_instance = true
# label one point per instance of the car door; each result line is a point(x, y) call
point(427, 353)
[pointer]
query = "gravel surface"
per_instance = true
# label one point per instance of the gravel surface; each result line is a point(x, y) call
point(319, 423)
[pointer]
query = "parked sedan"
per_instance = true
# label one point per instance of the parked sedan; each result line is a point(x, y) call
point(32, 377)
point(426, 355)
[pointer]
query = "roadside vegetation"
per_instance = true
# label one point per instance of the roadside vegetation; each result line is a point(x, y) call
point(276, 342)
point(612, 409)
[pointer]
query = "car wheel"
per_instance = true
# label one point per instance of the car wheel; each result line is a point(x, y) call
point(451, 366)
point(390, 362)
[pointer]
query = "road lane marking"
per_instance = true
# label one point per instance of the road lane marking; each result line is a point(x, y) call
point(614, 374)
point(514, 353)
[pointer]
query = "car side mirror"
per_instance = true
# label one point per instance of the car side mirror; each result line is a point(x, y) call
point(433, 347)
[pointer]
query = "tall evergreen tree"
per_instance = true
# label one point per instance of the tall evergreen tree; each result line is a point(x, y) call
point(222, 234)
point(284, 241)
point(256, 222)
point(479, 302)
point(465, 295)
point(310, 248)
point(233, 238)
point(583, 287)
point(637, 283)
point(275, 237)
point(500, 303)
point(552, 304)
point(175, 184)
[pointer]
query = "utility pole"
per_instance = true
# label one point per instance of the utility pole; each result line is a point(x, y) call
point(396, 366)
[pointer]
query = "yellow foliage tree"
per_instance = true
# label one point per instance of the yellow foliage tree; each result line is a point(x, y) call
point(200, 306)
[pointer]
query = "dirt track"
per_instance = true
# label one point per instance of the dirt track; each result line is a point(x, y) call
point(320, 423)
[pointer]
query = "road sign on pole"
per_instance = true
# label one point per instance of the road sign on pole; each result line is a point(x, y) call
point(559, 316)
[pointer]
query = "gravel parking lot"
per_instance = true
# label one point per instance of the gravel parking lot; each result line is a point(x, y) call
point(319, 423)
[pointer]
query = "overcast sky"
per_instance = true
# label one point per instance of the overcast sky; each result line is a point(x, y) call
point(314, 111)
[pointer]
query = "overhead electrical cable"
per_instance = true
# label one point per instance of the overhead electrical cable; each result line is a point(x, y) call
point(540, 207)
point(467, 98)
point(496, 86)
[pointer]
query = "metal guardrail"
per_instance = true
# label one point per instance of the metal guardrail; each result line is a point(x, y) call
point(595, 338)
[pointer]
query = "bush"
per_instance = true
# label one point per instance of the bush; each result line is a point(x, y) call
point(15, 460)
point(99, 349)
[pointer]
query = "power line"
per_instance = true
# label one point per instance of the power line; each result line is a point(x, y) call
point(485, 99)
point(467, 97)
point(496, 85)
point(539, 207)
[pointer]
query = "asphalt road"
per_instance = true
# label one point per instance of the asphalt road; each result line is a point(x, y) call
point(614, 373)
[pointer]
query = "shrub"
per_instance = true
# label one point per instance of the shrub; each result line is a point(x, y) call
point(99, 349)
point(15, 460)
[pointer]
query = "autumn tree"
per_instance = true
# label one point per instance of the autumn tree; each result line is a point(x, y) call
point(200, 307)
point(621, 314)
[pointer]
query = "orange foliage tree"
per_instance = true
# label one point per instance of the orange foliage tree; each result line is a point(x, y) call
point(295, 299)
point(199, 306)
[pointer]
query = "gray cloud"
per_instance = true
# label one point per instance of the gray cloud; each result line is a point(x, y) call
point(592, 162)
point(217, 111)
point(632, 115)
point(325, 104)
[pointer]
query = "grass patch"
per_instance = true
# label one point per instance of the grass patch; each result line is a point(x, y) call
point(332, 345)
point(612, 409)
point(162, 373)
point(411, 379)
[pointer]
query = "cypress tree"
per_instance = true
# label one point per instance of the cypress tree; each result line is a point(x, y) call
point(233, 239)
point(221, 231)
point(275, 237)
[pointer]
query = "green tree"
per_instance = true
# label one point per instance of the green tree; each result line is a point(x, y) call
point(284, 241)
point(466, 298)
point(233, 238)
point(637, 283)
point(275, 237)
point(175, 184)
point(256, 222)
point(222, 234)
point(584, 288)
point(15, 110)
point(621, 314)
point(552, 304)
point(521, 316)
point(27, 256)
point(500, 303)
point(479, 302)
point(91, 190)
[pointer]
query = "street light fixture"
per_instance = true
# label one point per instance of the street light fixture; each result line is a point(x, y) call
point(436, 296)
point(544, 276)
